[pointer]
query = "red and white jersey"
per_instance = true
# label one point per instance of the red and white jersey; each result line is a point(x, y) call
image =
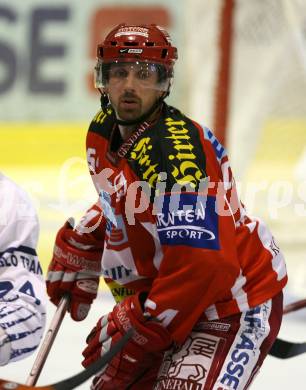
point(22, 287)
point(175, 227)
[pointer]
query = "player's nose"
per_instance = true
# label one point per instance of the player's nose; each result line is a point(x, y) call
point(130, 81)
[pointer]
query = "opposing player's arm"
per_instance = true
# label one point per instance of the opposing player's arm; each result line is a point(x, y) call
point(22, 287)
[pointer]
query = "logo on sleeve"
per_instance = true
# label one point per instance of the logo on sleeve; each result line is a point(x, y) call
point(188, 219)
point(108, 211)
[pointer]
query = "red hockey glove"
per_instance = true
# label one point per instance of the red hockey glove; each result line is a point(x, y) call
point(74, 268)
point(147, 343)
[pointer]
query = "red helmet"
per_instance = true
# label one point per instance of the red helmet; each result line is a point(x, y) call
point(131, 42)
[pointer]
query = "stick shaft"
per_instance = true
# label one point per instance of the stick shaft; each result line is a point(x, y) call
point(295, 306)
point(48, 341)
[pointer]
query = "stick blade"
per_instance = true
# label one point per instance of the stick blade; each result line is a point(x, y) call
point(283, 349)
point(9, 385)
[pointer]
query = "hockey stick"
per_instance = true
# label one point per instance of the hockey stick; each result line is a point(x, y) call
point(48, 341)
point(283, 349)
point(81, 377)
point(295, 306)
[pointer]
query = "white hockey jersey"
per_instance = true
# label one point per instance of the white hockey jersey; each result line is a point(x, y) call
point(22, 287)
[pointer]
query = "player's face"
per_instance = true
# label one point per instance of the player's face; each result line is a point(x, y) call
point(132, 89)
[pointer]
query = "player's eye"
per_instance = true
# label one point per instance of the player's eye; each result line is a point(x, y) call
point(144, 74)
point(119, 73)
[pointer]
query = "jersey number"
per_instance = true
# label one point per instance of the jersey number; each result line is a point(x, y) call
point(26, 288)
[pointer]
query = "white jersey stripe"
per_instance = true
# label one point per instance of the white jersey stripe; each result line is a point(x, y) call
point(211, 312)
point(239, 294)
point(254, 328)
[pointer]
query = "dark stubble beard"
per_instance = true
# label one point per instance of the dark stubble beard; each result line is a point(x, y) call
point(132, 113)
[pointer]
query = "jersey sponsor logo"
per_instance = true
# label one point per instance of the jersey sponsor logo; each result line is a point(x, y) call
point(117, 273)
point(213, 325)
point(174, 384)
point(188, 219)
point(187, 366)
point(127, 144)
point(17, 258)
point(246, 348)
point(120, 292)
point(184, 161)
point(141, 153)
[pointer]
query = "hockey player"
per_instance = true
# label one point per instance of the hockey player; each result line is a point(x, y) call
point(22, 286)
point(198, 280)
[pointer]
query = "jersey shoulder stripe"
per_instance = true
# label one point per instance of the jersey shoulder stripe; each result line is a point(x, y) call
point(219, 149)
point(21, 248)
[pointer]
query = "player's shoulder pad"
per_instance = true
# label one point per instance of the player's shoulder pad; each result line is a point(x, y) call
point(177, 121)
point(102, 123)
point(15, 196)
point(19, 223)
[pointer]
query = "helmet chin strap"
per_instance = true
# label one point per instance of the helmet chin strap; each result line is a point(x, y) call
point(105, 102)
